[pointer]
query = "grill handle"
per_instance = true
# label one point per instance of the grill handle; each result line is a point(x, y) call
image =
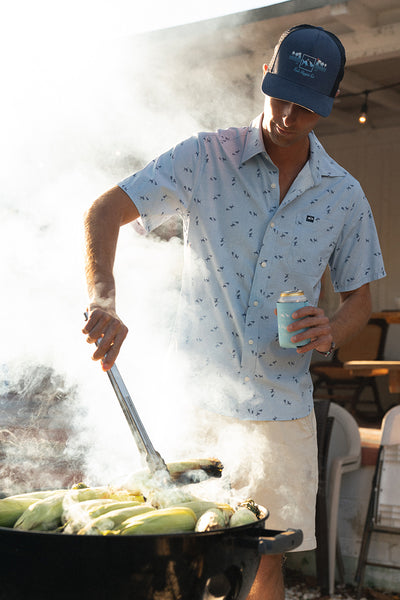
point(269, 541)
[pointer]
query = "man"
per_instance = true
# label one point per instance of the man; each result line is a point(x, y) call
point(264, 210)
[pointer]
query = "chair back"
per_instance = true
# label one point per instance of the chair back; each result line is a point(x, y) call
point(345, 439)
point(368, 344)
point(388, 503)
point(390, 427)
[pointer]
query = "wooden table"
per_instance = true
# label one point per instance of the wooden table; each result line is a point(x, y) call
point(391, 316)
point(366, 368)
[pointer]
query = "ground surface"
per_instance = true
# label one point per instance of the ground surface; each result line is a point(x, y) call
point(303, 587)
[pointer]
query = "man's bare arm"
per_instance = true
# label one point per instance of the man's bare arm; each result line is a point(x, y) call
point(102, 223)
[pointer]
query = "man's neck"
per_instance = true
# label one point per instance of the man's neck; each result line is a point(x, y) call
point(292, 157)
point(289, 160)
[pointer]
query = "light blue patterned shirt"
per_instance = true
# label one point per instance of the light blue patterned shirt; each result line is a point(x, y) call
point(242, 248)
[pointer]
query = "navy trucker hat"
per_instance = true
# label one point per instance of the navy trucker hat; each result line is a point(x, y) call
point(306, 68)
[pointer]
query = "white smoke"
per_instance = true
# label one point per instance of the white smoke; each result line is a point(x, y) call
point(82, 107)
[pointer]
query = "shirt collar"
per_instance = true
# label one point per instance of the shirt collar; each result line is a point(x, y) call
point(321, 164)
point(254, 143)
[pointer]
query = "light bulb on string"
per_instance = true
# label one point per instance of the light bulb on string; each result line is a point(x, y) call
point(362, 117)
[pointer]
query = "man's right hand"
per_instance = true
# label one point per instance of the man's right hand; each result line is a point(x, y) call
point(103, 221)
point(106, 328)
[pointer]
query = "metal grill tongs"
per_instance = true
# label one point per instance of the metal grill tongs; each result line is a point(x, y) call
point(154, 460)
point(181, 472)
point(184, 472)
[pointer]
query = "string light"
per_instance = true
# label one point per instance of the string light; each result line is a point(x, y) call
point(362, 117)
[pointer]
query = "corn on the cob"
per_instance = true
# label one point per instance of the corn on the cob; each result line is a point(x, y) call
point(201, 506)
point(251, 505)
point(92, 493)
point(38, 495)
point(101, 510)
point(210, 466)
point(75, 510)
point(11, 509)
point(43, 515)
point(46, 514)
point(166, 520)
point(243, 516)
point(113, 519)
point(211, 520)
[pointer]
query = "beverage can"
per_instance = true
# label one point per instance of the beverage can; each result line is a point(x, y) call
point(289, 302)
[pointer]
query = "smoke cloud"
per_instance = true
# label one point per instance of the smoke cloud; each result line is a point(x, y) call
point(86, 106)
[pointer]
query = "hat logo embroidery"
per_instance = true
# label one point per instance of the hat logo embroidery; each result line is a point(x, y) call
point(307, 65)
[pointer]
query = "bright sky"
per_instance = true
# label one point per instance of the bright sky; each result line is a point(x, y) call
point(29, 19)
point(159, 14)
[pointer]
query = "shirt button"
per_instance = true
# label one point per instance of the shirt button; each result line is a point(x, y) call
point(247, 379)
point(263, 264)
point(255, 303)
point(273, 185)
point(251, 342)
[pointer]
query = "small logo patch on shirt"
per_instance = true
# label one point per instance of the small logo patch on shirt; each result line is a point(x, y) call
point(310, 218)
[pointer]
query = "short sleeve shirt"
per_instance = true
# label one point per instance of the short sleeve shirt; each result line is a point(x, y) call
point(242, 248)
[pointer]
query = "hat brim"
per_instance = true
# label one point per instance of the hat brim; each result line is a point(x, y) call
point(278, 87)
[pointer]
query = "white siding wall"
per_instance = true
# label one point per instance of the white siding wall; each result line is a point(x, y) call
point(373, 157)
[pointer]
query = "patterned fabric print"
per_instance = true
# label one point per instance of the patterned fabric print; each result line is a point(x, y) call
point(242, 249)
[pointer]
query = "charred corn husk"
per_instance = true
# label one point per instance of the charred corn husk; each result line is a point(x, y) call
point(210, 466)
point(242, 516)
point(11, 509)
point(211, 520)
point(251, 505)
point(113, 519)
point(166, 520)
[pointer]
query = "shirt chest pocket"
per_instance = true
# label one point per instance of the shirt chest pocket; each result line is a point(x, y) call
point(314, 240)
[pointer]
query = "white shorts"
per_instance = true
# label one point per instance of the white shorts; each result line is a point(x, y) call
point(288, 485)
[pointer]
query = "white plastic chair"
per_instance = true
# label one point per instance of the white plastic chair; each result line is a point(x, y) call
point(383, 513)
point(344, 455)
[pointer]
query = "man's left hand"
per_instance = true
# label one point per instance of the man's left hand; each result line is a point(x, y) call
point(318, 329)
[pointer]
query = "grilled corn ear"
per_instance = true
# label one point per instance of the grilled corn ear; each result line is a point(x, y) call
point(42, 515)
point(163, 521)
point(113, 519)
point(251, 505)
point(47, 513)
point(11, 509)
point(112, 506)
point(38, 495)
point(185, 469)
point(211, 520)
point(243, 516)
point(201, 506)
point(83, 510)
